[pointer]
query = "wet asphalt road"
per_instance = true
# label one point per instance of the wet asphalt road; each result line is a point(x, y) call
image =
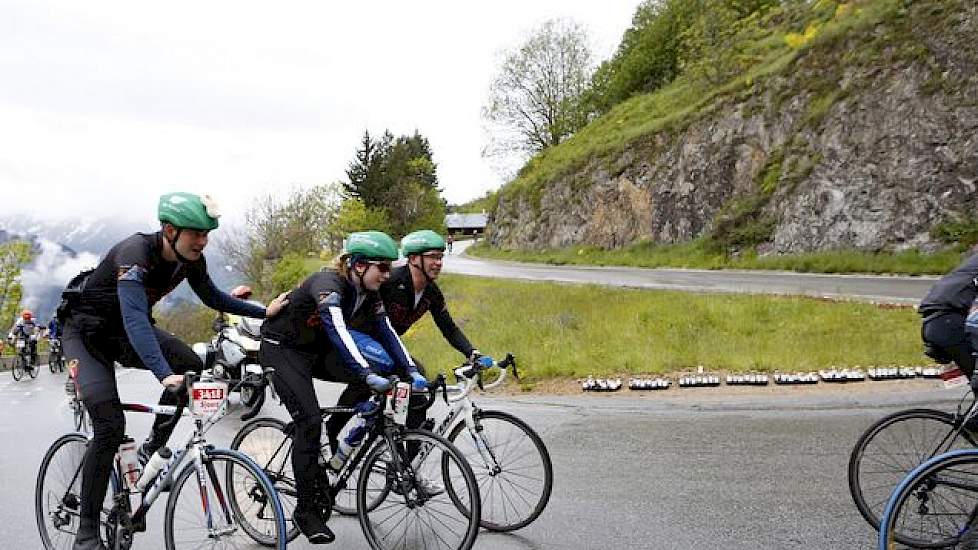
point(681, 469)
point(887, 289)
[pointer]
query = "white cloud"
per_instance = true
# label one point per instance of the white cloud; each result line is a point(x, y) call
point(51, 269)
point(105, 105)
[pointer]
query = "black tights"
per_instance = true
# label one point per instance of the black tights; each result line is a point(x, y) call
point(108, 427)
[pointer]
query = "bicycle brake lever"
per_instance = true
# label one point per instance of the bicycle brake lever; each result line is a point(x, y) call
point(444, 387)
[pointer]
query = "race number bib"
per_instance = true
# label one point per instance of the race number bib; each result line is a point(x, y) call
point(207, 398)
point(397, 402)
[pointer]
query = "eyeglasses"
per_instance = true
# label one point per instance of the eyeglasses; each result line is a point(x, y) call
point(383, 267)
point(437, 256)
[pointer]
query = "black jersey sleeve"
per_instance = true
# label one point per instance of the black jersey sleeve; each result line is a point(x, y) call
point(447, 326)
point(214, 298)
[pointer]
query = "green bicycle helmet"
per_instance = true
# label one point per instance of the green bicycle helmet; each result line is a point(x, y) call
point(188, 211)
point(372, 245)
point(421, 241)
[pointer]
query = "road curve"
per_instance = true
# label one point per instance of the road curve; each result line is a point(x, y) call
point(874, 288)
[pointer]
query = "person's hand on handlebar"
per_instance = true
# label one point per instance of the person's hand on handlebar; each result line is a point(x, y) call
point(476, 358)
point(174, 381)
point(418, 381)
point(377, 383)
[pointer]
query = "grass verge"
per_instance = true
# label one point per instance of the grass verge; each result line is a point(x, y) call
point(560, 331)
point(699, 255)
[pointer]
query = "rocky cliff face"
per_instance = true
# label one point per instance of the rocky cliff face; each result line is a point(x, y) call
point(864, 145)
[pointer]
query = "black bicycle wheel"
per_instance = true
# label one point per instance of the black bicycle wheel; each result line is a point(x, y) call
point(253, 514)
point(513, 470)
point(935, 507)
point(32, 370)
point(57, 494)
point(414, 512)
point(53, 362)
point(266, 442)
point(890, 449)
point(18, 370)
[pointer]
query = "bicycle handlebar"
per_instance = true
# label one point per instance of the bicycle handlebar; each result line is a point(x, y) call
point(471, 376)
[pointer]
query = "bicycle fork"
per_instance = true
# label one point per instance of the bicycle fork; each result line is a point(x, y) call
point(475, 429)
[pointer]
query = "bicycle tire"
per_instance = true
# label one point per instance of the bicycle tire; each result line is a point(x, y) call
point(377, 470)
point(18, 369)
point(283, 477)
point(46, 494)
point(871, 492)
point(33, 371)
point(258, 487)
point(495, 512)
point(912, 501)
point(273, 458)
point(52, 362)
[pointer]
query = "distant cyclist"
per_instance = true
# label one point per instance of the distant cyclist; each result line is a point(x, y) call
point(27, 330)
point(54, 329)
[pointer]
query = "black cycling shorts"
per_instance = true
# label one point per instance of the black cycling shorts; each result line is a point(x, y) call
point(95, 346)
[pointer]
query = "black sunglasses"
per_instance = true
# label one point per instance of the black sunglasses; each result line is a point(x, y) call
point(383, 267)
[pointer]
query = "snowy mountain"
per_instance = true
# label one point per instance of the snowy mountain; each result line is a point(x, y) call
point(62, 248)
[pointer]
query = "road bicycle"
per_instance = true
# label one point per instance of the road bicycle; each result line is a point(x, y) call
point(394, 468)
point(24, 361)
point(510, 461)
point(217, 497)
point(894, 446)
point(56, 356)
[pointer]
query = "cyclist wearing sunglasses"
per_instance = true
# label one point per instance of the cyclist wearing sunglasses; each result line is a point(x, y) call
point(411, 292)
point(334, 328)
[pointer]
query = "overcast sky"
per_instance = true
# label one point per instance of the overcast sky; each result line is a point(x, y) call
point(104, 105)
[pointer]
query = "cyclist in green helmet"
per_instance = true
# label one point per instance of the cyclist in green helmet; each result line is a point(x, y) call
point(107, 315)
point(412, 291)
point(335, 328)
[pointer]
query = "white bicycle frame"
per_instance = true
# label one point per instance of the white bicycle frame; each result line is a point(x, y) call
point(461, 406)
point(193, 449)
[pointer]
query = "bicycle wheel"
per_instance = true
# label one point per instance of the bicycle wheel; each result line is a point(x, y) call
point(265, 441)
point(890, 449)
point(18, 370)
point(32, 370)
point(515, 475)
point(57, 499)
point(935, 506)
point(53, 362)
point(196, 518)
point(411, 514)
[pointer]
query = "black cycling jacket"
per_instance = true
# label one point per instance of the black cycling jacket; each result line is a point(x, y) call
point(955, 292)
point(320, 314)
point(132, 277)
point(398, 295)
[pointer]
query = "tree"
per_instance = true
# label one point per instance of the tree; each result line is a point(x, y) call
point(536, 98)
point(276, 228)
point(393, 186)
point(366, 174)
point(14, 255)
point(353, 216)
